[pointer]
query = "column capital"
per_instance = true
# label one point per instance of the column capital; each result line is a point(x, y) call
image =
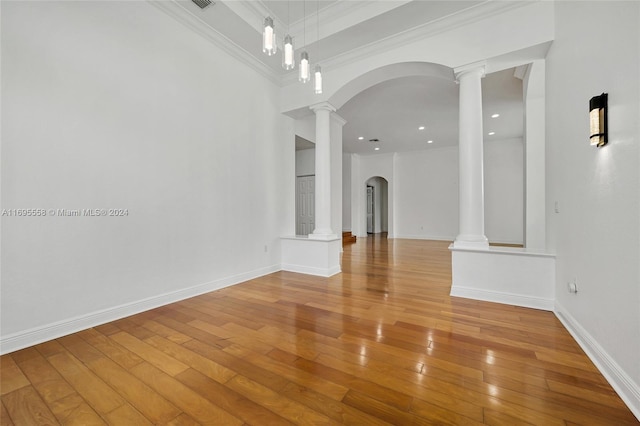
point(322, 106)
point(473, 68)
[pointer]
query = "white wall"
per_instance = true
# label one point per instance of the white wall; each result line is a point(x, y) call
point(305, 126)
point(116, 105)
point(346, 192)
point(427, 192)
point(596, 233)
point(306, 162)
point(534, 144)
point(504, 191)
point(384, 206)
point(336, 173)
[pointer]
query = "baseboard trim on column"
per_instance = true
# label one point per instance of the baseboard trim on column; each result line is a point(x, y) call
point(504, 298)
point(311, 256)
point(309, 270)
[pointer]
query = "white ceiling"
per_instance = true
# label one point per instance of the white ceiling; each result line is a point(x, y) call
point(391, 111)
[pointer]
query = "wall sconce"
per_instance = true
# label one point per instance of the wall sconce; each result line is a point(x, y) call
point(598, 134)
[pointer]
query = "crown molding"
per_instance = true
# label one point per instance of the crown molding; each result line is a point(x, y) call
point(334, 18)
point(253, 13)
point(339, 16)
point(426, 30)
point(191, 21)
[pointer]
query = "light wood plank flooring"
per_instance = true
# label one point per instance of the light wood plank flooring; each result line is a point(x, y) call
point(381, 343)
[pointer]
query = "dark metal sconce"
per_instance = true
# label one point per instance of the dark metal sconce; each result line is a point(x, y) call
point(598, 134)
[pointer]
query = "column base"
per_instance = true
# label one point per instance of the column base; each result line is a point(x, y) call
point(495, 275)
point(312, 257)
point(471, 241)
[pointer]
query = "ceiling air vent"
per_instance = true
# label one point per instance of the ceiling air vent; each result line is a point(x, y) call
point(374, 140)
point(202, 3)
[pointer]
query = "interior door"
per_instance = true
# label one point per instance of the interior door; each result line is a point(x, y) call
point(305, 204)
point(370, 209)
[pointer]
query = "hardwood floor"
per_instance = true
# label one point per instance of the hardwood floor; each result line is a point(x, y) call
point(380, 343)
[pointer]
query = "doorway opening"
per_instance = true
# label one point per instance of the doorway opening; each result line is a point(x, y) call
point(377, 211)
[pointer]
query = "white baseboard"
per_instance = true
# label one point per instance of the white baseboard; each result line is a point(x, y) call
point(627, 389)
point(425, 237)
point(504, 298)
point(505, 241)
point(33, 336)
point(310, 270)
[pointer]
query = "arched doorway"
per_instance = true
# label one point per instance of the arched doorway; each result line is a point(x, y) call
point(377, 211)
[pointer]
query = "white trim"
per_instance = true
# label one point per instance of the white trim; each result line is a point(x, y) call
point(516, 251)
point(627, 389)
point(253, 13)
point(335, 17)
point(33, 336)
point(306, 237)
point(425, 237)
point(191, 21)
point(428, 29)
point(310, 270)
point(341, 15)
point(503, 297)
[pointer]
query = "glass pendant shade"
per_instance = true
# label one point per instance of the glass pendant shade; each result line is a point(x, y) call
point(305, 72)
point(288, 59)
point(318, 80)
point(269, 37)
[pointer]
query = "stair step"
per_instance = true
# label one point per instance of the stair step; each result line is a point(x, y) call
point(347, 238)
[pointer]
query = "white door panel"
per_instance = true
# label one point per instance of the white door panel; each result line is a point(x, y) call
point(305, 204)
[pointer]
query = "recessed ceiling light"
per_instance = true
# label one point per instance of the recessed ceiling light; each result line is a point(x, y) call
point(377, 148)
point(360, 138)
point(495, 116)
point(492, 133)
point(429, 141)
point(421, 128)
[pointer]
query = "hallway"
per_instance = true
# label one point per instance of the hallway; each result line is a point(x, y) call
point(381, 342)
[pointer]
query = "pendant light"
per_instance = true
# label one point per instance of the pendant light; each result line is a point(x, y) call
point(288, 58)
point(318, 70)
point(269, 45)
point(318, 80)
point(305, 71)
